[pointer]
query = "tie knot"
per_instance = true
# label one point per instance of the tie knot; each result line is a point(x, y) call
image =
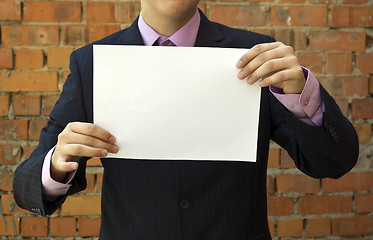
point(167, 42)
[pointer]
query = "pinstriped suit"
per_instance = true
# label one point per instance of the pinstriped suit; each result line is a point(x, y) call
point(147, 199)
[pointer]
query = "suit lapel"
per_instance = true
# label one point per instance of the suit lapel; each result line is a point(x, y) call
point(131, 35)
point(208, 35)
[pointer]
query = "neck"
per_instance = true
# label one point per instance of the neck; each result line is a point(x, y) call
point(166, 26)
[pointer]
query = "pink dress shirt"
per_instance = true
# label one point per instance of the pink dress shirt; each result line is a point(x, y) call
point(307, 106)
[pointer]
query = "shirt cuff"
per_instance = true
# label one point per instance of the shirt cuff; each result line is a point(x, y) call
point(307, 105)
point(52, 188)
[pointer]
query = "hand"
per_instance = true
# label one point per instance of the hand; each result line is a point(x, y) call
point(272, 64)
point(78, 140)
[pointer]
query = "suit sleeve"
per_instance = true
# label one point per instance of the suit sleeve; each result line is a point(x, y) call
point(329, 150)
point(27, 185)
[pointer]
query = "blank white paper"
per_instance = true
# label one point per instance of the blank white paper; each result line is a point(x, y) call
point(175, 103)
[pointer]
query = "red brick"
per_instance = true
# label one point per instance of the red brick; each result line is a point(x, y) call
point(299, 15)
point(9, 206)
point(246, 15)
point(6, 179)
point(364, 132)
point(63, 227)
point(40, 11)
point(312, 61)
point(364, 63)
point(110, 12)
point(30, 35)
point(354, 1)
point(337, 41)
point(311, 205)
point(34, 227)
point(351, 182)
point(83, 34)
point(346, 86)
point(27, 150)
point(27, 81)
point(280, 206)
point(292, 1)
point(89, 227)
point(320, 227)
point(343, 105)
point(286, 160)
point(371, 85)
point(4, 105)
point(202, 7)
point(295, 38)
point(363, 203)
point(354, 16)
point(95, 162)
point(99, 182)
point(65, 74)
point(271, 226)
point(90, 183)
point(290, 228)
point(9, 225)
point(297, 183)
point(26, 105)
point(35, 128)
point(6, 57)
point(48, 103)
point(13, 129)
point(339, 63)
point(82, 205)
point(10, 154)
point(362, 108)
point(10, 10)
point(349, 226)
point(274, 158)
point(29, 58)
point(270, 184)
point(59, 57)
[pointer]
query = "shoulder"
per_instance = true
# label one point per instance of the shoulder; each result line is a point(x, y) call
point(113, 39)
point(242, 38)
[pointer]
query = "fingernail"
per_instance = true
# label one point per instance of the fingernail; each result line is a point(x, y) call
point(239, 64)
point(112, 139)
point(114, 149)
point(103, 153)
point(240, 75)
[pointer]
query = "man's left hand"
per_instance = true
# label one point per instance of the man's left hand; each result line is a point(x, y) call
point(272, 64)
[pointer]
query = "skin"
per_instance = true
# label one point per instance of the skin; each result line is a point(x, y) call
point(269, 63)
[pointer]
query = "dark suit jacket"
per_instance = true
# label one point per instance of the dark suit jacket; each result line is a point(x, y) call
point(148, 199)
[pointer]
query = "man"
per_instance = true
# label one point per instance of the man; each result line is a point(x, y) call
point(187, 199)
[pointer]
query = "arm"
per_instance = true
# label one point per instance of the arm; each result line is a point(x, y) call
point(60, 132)
point(328, 150)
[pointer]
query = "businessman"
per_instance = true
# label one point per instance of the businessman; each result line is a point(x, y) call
point(156, 199)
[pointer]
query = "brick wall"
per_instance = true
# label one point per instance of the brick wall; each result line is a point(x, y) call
point(333, 38)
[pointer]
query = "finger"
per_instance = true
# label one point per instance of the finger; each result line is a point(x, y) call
point(268, 68)
point(261, 59)
point(91, 130)
point(80, 150)
point(279, 78)
point(255, 51)
point(77, 138)
point(66, 166)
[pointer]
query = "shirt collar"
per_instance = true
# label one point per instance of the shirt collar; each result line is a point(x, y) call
point(184, 37)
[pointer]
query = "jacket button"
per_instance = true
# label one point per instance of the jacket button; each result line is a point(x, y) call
point(184, 204)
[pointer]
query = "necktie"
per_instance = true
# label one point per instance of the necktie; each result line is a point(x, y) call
point(167, 43)
point(163, 41)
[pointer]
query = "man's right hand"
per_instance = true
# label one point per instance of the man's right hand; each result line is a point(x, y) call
point(79, 140)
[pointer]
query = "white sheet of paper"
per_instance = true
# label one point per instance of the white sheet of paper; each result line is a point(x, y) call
point(175, 103)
